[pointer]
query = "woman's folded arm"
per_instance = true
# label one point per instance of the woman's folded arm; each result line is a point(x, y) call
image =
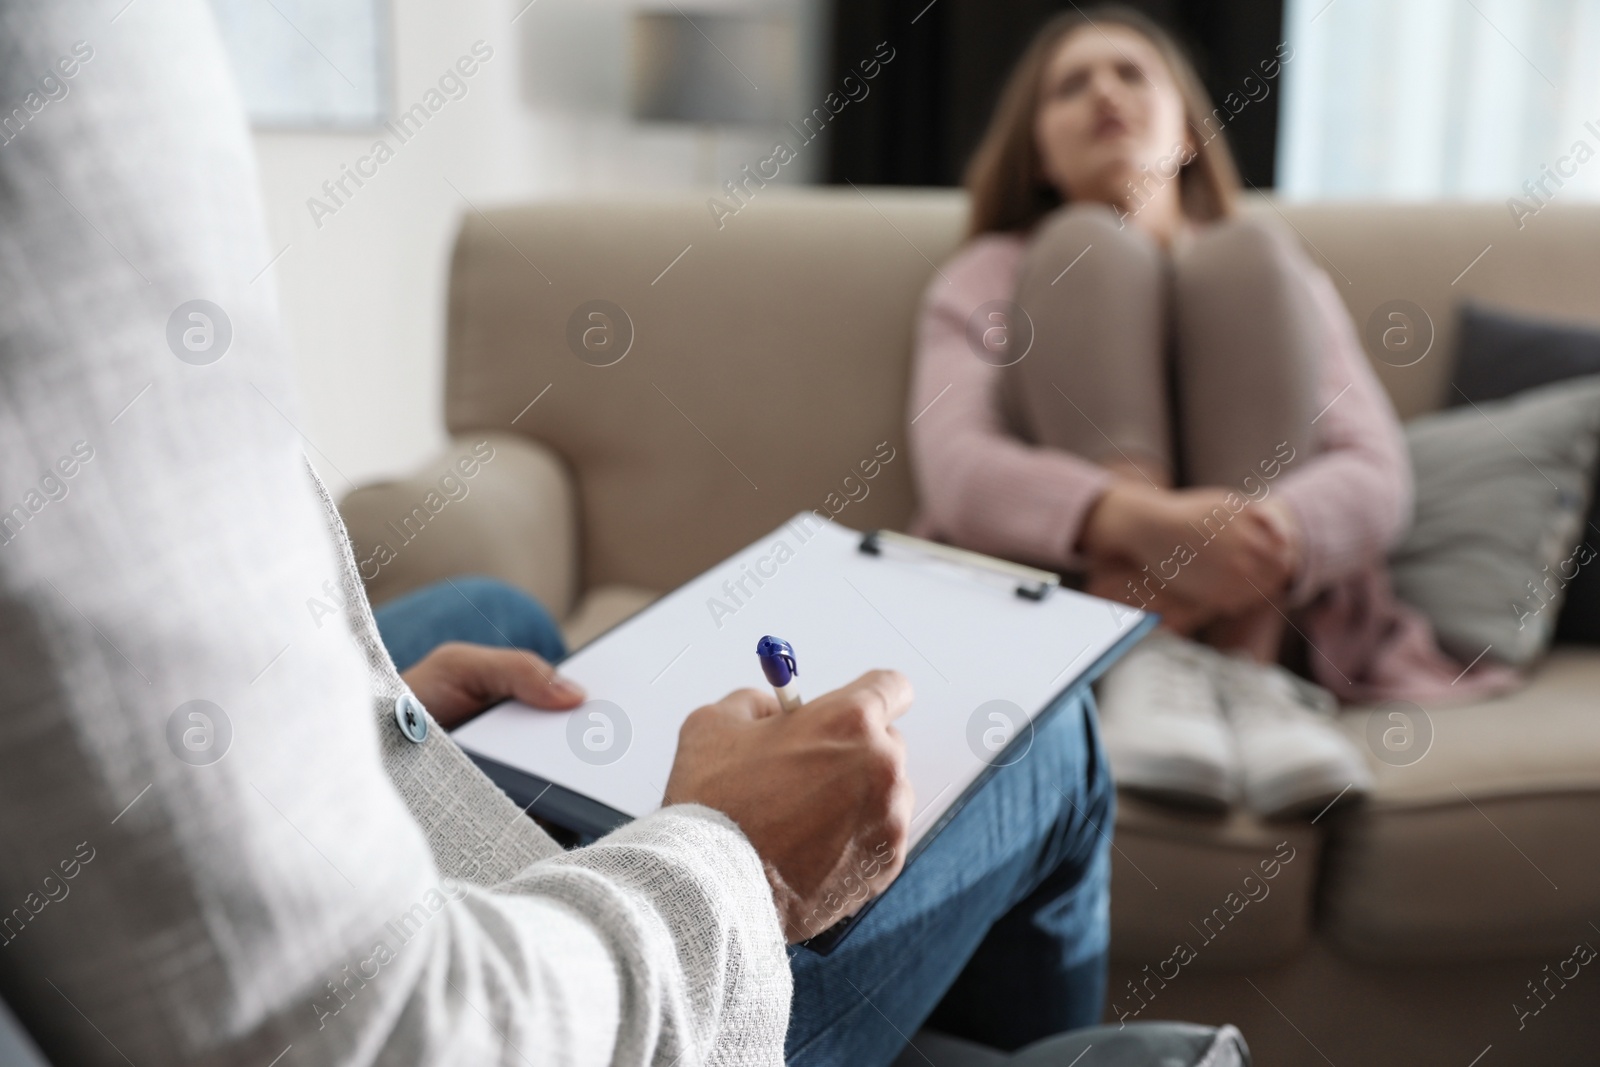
point(979, 484)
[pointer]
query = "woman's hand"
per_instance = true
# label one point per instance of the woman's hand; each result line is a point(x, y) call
point(1236, 559)
point(457, 680)
point(1130, 521)
point(1120, 580)
point(1220, 559)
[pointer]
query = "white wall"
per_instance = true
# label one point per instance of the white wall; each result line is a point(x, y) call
point(363, 293)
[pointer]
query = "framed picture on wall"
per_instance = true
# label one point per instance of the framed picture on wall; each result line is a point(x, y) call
point(309, 64)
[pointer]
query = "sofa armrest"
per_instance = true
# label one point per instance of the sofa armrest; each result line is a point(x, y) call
point(494, 504)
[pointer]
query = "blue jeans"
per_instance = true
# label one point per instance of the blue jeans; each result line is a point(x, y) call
point(997, 933)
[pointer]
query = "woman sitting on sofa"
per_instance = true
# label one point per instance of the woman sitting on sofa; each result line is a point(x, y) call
point(1122, 375)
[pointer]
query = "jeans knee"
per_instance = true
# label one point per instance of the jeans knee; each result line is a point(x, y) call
point(492, 596)
point(1079, 770)
point(1099, 788)
point(523, 621)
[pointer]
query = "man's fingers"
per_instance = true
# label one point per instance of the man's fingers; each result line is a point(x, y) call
point(903, 804)
point(904, 810)
point(892, 832)
point(521, 674)
point(889, 691)
point(747, 704)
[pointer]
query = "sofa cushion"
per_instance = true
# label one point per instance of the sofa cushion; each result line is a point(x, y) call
point(1324, 1008)
point(1403, 268)
point(699, 401)
point(1503, 353)
point(1482, 838)
point(1233, 890)
point(602, 608)
point(1500, 353)
point(492, 503)
point(1502, 491)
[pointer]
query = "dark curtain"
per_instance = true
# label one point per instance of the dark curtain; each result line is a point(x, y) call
point(929, 105)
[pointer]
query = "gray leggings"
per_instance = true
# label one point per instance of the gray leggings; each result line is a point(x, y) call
point(1214, 349)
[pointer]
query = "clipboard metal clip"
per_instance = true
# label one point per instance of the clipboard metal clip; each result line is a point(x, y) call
point(1032, 583)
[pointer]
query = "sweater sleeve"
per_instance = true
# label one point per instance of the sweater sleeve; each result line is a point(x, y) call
point(657, 944)
point(1352, 498)
point(981, 486)
point(276, 877)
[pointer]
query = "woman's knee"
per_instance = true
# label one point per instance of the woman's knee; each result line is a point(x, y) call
point(1249, 253)
point(1072, 230)
point(1091, 216)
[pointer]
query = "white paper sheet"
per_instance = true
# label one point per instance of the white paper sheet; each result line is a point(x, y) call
point(962, 636)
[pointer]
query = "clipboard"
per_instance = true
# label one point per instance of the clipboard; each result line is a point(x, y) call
point(979, 638)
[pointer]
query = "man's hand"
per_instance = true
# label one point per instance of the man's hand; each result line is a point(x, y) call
point(821, 792)
point(457, 680)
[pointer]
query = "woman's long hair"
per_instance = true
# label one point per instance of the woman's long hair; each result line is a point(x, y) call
point(1005, 178)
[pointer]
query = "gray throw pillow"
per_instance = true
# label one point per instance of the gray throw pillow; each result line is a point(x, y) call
point(1499, 353)
point(1502, 491)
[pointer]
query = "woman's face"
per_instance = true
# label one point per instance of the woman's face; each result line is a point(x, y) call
point(1108, 106)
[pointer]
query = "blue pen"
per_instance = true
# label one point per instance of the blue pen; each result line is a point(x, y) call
point(778, 664)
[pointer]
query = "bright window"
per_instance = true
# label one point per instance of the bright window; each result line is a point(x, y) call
point(1454, 99)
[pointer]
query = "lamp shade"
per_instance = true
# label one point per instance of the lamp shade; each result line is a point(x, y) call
point(712, 68)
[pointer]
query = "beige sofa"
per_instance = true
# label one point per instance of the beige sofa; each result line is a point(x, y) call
point(766, 359)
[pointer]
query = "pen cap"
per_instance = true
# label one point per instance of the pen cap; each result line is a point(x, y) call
point(777, 660)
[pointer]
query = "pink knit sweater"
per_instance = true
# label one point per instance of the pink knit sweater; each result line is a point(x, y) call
point(985, 489)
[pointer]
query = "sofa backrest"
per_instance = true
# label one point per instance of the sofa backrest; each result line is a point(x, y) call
point(766, 357)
